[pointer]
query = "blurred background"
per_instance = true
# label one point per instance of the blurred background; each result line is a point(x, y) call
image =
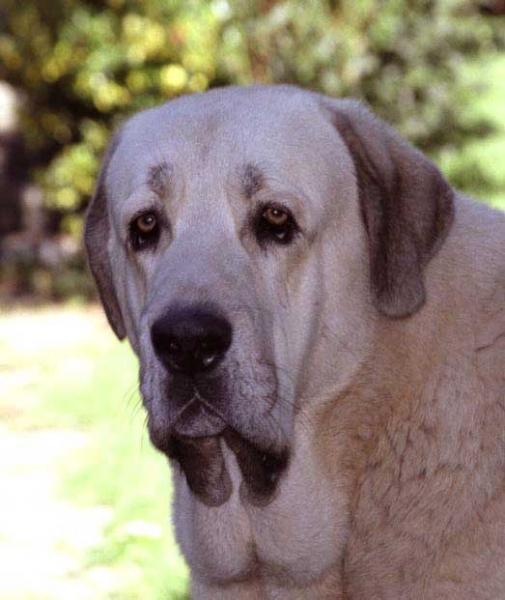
point(84, 500)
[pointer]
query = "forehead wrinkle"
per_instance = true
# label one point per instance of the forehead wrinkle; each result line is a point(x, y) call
point(158, 178)
point(252, 180)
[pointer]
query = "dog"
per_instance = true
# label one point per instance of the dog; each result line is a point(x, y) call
point(320, 323)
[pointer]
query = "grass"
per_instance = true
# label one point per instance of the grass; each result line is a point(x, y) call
point(65, 372)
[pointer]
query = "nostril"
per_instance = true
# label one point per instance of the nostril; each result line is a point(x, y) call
point(208, 360)
point(191, 340)
point(209, 349)
point(173, 347)
point(171, 353)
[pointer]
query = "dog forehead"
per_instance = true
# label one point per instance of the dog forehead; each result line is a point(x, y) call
point(226, 111)
point(281, 126)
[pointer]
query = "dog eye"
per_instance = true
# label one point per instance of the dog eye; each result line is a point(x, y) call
point(144, 231)
point(276, 224)
point(275, 216)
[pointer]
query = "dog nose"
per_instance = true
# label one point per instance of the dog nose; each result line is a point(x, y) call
point(191, 340)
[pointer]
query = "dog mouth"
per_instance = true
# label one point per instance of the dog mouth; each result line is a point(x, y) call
point(193, 421)
point(198, 418)
point(201, 459)
point(195, 438)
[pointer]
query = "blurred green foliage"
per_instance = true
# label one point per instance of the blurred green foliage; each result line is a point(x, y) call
point(84, 65)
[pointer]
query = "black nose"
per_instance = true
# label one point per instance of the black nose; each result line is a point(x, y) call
point(191, 340)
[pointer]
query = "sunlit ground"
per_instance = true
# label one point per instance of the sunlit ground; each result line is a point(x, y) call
point(84, 499)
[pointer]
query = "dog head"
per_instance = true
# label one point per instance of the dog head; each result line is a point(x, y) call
point(246, 241)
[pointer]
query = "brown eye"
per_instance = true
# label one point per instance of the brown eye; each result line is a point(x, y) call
point(146, 223)
point(275, 224)
point(144, 231)
point(275, 216)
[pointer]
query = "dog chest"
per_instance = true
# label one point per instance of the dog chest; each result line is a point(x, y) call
point(297, 537)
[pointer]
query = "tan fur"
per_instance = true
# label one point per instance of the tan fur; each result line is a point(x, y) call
point(394, 393)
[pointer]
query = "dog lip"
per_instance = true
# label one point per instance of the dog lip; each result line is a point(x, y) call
point(197, 420)
point(197, 424)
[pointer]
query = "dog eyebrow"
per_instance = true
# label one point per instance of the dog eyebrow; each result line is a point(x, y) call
point(252, 180)
point(158, 178)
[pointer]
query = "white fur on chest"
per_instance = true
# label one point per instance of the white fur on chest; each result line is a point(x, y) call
point(295, 538)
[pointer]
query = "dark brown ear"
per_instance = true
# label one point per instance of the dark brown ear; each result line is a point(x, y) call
point(407, 207)
point(96, 237)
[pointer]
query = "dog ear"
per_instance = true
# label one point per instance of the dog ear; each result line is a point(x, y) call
point(96, 237)
point(406, 204)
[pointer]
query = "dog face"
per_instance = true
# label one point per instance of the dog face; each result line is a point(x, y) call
point(246, 241)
